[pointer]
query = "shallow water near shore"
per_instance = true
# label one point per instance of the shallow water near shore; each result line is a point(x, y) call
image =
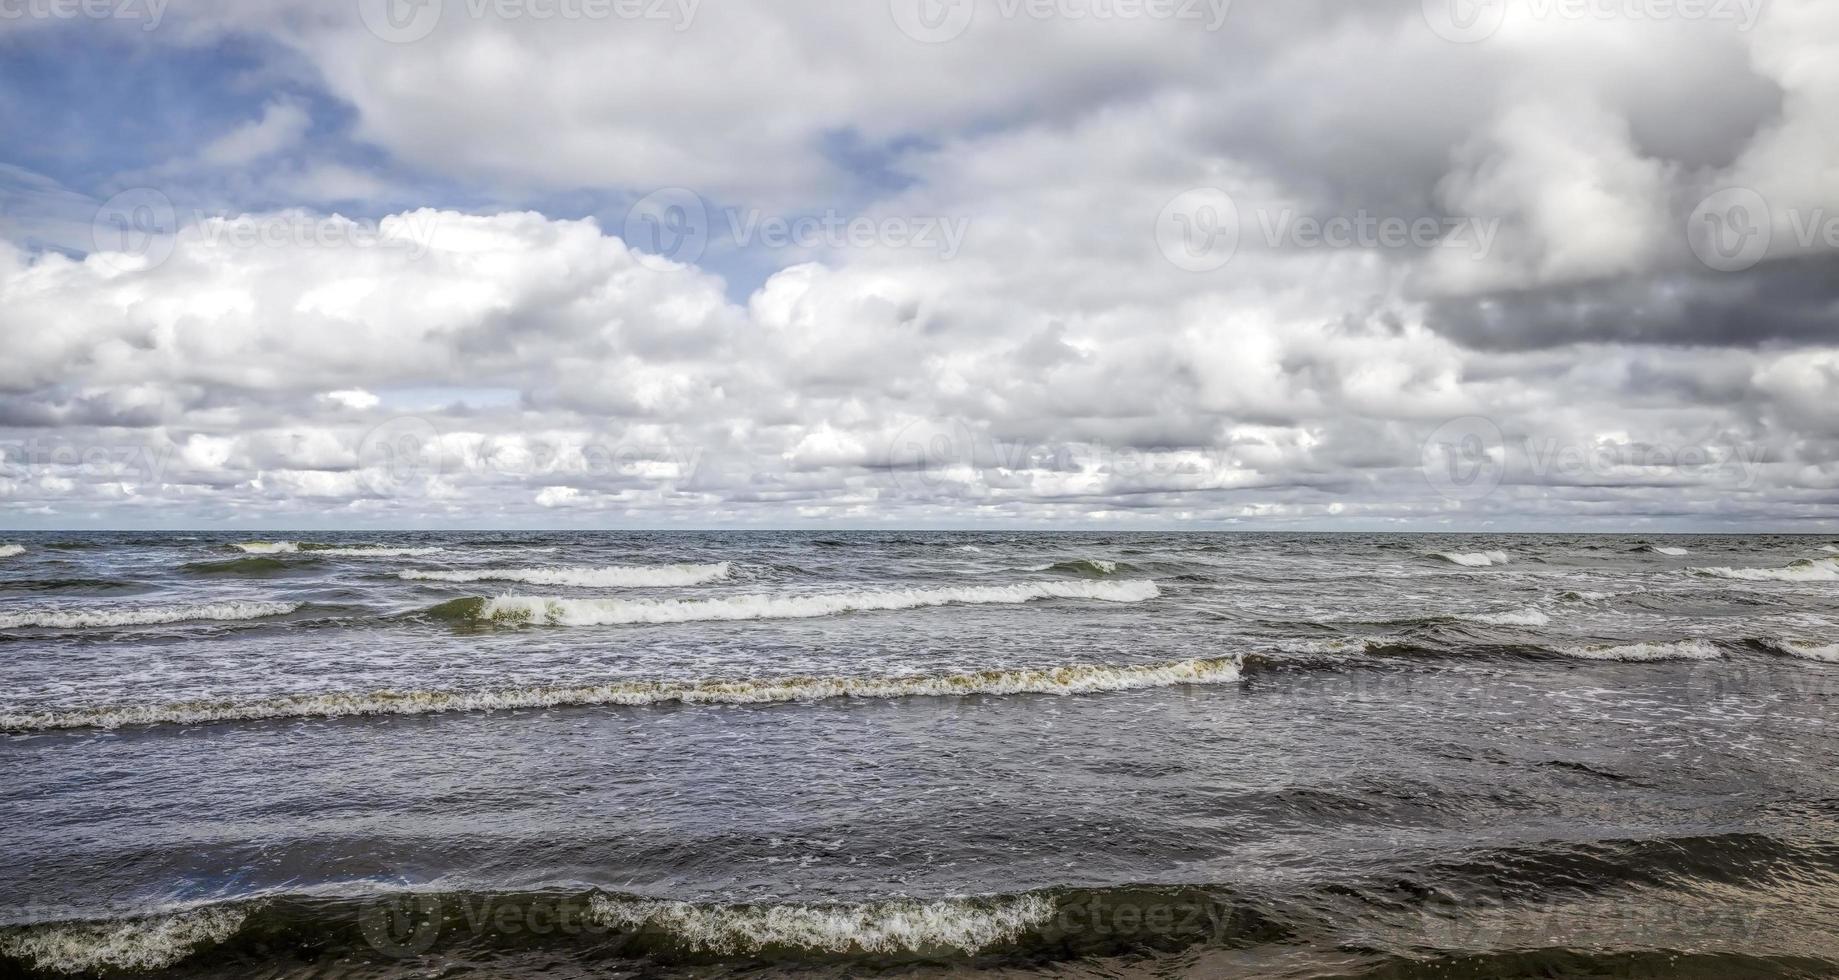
point(821, 753)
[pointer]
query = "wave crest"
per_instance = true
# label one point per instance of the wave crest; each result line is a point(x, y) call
point(1063, 680)
point(267, 547)
point(1528, 616)
point(9, 550)
point(1681, 650)
point(1804, 570)
point(150, 943)
point(1472, 559)
point(556, 611)
point(1825, 653)
point(145, 615)
point(611, 576)
point(1092, 567)
point(898, 926)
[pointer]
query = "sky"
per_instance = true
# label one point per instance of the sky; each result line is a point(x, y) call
point(1259, 264)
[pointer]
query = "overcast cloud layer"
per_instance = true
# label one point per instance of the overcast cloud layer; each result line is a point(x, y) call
point(1455, 264)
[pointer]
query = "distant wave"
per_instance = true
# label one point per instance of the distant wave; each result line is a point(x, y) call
point(1581, 595)
point(336, 551)
point(147, 943)
point(267, 547)
point(901, 926)
point(1094, 567)
point(1662, 550)
point(1804, 570)
point(555, 611)
point(611, 576)
point(248, 565)
point(1681, 650)
point(1472, 559)
point(1827, 653)
point(9, 550)
point(1064, 680)
point(1833, 548)
point(145, 615)
point(1528, 616)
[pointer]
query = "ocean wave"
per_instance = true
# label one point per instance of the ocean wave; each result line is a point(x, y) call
point(267, 547)
point(611, 576)
point(1583, 595)
point(1064, 680)
point(145, 615)
point(1825, 653)
point(1804, 570)
point(899, 926)
point(379, 552)
point(10, 550)
point(247, 565)
point(1680, 650)
point(1472, 559)
point(149, 943)
point(1528, 616)
point(1093, 567)
point(1669, 552)
point(555, 611)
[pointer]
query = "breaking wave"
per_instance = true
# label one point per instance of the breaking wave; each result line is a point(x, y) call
point(1681, 650)
point(150, 943)
point(145, 615)
point(899, 926)
point(553, 611)
point(1805, 570)
point(248, 565)
point(609, 576)
point(1064, 680)
point(1472, 559)
point(9, 550)
point(1825, 653)
point(267, 547)
point(1519, 617)
point(1092, 567)
point(1668, 551)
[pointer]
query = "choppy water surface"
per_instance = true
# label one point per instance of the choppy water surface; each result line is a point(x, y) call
point(710, 754)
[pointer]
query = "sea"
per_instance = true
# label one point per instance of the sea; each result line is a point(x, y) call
point(918, 754)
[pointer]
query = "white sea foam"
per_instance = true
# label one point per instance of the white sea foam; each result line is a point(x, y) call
point(127, 944)
point(80, 618)
point(1830, 548)
point(1825, 653)
point(9, 550)
point(1518, 617)
point(268, 547)
point(554, 611)
point(1580, 595)
point(611, 576)
point(1065, 680)
point(1681, 650)
point(1674, 552)
point(376, 552)
point(1473, 559)
point(1805, 570)
point(909, 925)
